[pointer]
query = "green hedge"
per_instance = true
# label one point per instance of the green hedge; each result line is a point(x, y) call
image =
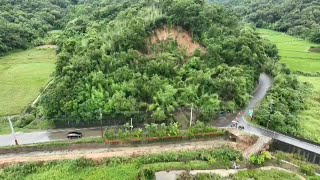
point(159, 131)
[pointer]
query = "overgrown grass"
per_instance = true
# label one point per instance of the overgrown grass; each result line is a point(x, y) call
point(296, 159)
point(67, 171)
point(22, 75)
point(294, 52)
point(122, 168)
point(263, 175)
point(310, 118)
point(144, 167)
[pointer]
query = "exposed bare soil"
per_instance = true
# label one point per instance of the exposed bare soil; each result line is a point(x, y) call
point(182, 37)
point(99, 154)
point(315, 49)
point(47, 47)
point(102, 153)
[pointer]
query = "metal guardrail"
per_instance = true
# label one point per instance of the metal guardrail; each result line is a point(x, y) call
point(283, 135)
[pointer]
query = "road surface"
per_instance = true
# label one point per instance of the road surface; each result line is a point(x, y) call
point(46, 136)
point(265, 83)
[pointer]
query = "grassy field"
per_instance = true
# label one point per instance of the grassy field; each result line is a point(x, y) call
point(22, 75)
point(310, 118)
point(294, 52)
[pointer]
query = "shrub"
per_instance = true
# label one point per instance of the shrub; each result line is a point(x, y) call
point(173, 129)
point(259, 159)
point(123, 134)
point(24, 120)
point(137, 133)
point(256, 159)
point(266, 155)
point(117, 161)
point(109, 134)
point(185, 176)
point(307, 169)
point(200, 127)
point(203, 176)
point(279, 156)
point(78, 164)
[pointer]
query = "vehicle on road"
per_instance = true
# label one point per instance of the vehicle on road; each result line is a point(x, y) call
point(74, 135)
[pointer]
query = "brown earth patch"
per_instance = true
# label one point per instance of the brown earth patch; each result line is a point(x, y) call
point(314, 49)
point(182, 37)
point(100, 154)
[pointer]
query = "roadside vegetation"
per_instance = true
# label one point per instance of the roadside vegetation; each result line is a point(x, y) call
point(161, 131)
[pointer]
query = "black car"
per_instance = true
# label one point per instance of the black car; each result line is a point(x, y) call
point(74, 135)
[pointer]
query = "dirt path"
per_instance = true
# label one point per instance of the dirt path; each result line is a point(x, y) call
point(261, 143)
point(98, 154)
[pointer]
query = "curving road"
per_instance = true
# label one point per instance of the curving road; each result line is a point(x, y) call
point(265, 83)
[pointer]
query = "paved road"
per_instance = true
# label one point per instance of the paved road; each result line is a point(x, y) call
point(46, 136)
point(265, 83)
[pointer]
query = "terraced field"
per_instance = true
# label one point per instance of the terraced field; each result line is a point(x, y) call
point(294, 52)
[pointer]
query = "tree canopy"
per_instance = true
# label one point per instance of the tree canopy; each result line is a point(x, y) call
point(23, 22)
point(296, 17)
point(107, 61)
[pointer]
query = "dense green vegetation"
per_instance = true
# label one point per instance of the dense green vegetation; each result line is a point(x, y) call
point(22, 22)
point(284, 102)
point(295, 17)
point(22, 75)
point(123, 168)
point(107, 62)
point(160, 131)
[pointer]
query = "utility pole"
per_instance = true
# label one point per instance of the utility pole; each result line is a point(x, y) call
point(12, 131)
point(271, 111)
point(100, 118)
point(131, 126)
point(191, 117)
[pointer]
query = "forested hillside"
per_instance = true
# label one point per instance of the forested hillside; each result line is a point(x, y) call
point(127, 58)
point(22, 22)
point(296, 17)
